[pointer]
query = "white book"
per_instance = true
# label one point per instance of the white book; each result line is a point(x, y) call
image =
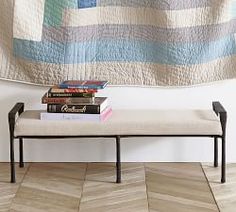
point(77, 116)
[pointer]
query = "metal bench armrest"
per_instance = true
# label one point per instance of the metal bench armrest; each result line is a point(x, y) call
point(218, 108)
point(220, 111)
point(17, 109)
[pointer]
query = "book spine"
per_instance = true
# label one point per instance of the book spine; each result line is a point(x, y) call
point(72, 90)
point(67, 100)
point(65, 108)
point(56, 95)
point(46, 100)
point(96, 87)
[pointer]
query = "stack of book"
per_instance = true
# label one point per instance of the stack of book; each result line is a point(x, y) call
point(76, 100)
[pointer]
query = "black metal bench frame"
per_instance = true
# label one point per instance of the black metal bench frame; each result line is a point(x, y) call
point(19, 108)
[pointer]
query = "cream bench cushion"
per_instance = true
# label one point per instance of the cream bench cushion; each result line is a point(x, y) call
point(124, 122)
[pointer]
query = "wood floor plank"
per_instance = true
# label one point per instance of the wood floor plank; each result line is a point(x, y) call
point(65, 187)
point(7, 189)
point(51, 187)
point(225, 194)
point(101, 194)
point(178, 187)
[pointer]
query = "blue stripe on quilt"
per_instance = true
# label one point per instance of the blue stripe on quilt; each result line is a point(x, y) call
point(125, 51)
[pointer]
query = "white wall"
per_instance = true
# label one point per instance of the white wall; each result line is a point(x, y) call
point(142, 149)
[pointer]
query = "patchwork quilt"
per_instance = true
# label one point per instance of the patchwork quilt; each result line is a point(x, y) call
point(127, 42)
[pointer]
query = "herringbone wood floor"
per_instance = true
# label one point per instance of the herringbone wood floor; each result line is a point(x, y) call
point(89, 187)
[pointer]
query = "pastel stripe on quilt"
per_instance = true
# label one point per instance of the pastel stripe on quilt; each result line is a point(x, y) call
point(54, 8)
point(155, 73)
point(148, 16)
point(158, 4)
point(161, 73)
point(139, 32)
point(125, 51)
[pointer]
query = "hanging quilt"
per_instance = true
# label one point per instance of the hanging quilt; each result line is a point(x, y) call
point(127, 42)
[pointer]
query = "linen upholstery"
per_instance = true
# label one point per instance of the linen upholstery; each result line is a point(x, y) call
point(125, 122)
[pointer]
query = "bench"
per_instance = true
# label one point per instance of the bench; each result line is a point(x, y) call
point(123, 123)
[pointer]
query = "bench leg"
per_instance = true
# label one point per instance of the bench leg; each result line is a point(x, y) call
point(13, 177)
point(223, 166)
point(215, 152)
point(21, 159)
point(118, 163)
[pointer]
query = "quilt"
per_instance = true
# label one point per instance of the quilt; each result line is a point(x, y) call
point(127, 42)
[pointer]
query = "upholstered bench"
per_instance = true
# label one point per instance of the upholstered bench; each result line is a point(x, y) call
point(122, 123)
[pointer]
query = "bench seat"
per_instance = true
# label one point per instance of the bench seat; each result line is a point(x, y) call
point(124, 122)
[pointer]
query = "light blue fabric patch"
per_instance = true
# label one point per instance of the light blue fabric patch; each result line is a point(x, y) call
point(233, 9)
point(87, 3)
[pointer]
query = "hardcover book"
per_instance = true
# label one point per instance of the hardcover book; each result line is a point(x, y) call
point(57, 89)
point(84, 84)
point(106, 113)
point(99, 104)
point(56, 92)
point(66, 100)
point(87, 95)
